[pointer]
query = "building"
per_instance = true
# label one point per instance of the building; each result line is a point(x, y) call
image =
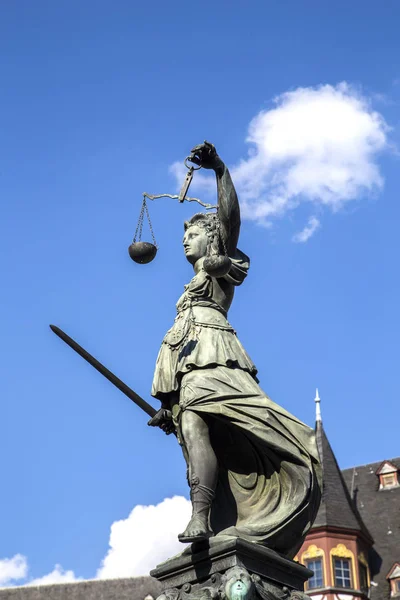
point(133, 588)
point(354, 544)
point(353, 547)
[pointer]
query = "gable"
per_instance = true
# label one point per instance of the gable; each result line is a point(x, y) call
point(394, 572)
point(386, 467)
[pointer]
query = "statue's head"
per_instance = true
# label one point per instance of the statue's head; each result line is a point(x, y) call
point(201, 236)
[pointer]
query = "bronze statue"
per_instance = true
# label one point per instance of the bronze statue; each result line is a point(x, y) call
point(253, 468)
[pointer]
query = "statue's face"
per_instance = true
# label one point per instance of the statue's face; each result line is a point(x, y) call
point(195, 242)
point(239, 585)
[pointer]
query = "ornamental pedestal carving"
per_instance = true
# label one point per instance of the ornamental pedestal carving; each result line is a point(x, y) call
point(231, 570)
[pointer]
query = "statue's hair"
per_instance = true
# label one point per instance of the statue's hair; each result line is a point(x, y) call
point(209, 222)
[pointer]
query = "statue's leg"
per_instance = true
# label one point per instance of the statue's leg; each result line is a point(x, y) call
point(203, 473)
point(202, 460)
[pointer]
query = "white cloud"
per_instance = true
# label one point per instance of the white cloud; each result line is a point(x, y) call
point(148, 536)
point(57, 575)
point(309, 230)
point(316, 145)
point(13, 569)
point(145, 538)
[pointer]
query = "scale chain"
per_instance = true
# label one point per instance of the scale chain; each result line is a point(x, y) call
point(141, 221)
point(138, 232)
point(150, 223)
point(139, 227)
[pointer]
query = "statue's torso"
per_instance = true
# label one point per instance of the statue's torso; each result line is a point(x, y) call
point(204, 303)
point(200, 336)
point(209, 298)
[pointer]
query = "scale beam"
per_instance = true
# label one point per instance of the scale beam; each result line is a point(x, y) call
point(176, 197)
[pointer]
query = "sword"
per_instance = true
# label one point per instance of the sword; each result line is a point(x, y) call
point(104, 371)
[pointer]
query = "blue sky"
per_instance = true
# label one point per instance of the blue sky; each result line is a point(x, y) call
point(98, 100)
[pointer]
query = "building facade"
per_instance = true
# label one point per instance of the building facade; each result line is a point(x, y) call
point(354, 544)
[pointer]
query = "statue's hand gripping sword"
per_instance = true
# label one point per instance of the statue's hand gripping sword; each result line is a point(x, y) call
point(105, 372)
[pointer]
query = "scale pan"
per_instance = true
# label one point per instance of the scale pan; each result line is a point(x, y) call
point(142, 252)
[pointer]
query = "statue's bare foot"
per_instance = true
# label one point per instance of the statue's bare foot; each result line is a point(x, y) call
point(197, 529)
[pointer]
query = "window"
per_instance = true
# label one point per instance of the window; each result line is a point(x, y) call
point(394, 579)
point(389, 480)
point(317, 580)
point(363, 577)
point(342, 572)
point(388, 475)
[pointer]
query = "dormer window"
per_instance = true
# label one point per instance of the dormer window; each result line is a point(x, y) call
point(394, 579)
point(389, 480)
point(388, 476)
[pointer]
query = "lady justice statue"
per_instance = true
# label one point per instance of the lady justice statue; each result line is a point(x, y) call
point(253, 468)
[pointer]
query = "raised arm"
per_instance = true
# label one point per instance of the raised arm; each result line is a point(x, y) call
point(206, 156)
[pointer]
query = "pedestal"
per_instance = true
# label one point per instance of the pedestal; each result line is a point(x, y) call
point(232, 569)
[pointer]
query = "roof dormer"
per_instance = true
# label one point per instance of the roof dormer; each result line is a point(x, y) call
point(394, 579)
point(388, 476)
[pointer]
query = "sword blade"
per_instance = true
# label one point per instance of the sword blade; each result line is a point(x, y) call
point(104, 371)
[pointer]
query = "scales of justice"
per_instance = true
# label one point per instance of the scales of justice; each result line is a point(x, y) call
point(252, 468)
